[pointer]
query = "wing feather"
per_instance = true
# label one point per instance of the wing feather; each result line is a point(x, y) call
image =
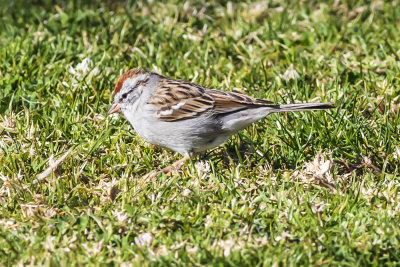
point(179, 100)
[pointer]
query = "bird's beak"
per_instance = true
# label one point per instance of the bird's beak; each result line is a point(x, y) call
point(114, 108)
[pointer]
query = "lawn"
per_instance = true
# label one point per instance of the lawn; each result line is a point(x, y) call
point(308, 188)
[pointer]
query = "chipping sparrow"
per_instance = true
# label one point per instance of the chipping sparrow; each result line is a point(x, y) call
point(186, 117)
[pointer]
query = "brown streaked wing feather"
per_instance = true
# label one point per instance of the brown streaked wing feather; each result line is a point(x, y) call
point(190, 100)
point(229, 101)
point(187, 101)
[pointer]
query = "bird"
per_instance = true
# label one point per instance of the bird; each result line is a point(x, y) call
point(186, 117)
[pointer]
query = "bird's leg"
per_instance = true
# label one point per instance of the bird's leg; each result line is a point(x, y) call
point(177, 165)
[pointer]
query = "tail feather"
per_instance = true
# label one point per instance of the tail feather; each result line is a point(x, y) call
point(233, 121)
point(300, 107)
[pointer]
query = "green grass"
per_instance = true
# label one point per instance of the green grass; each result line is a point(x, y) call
point(260, 199)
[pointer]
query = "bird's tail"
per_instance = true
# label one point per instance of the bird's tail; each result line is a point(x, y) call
point(242, 118)
point(299, 107)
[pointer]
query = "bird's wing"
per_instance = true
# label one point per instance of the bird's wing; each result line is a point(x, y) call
point(179, 100)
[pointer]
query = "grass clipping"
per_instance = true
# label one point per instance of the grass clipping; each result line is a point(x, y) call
point(53, 165)
point(317, 172)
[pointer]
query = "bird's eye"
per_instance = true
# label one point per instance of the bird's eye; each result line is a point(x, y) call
point(124, 95)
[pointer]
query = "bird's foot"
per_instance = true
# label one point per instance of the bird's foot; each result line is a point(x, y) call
point(174, 167)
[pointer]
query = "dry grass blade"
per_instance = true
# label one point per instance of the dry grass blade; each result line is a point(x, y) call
point(53, 165)
point(321, 181)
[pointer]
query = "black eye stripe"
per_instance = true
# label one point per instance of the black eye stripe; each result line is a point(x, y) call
point(142, 82)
